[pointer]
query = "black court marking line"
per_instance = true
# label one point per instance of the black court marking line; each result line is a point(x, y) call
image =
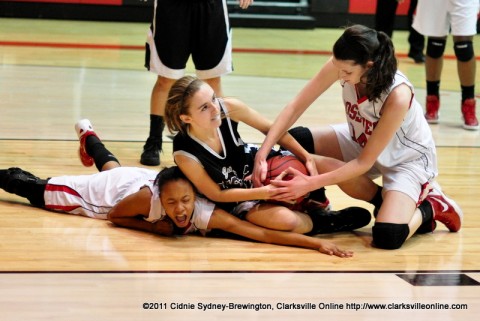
point(396, 272)
point(438, 279)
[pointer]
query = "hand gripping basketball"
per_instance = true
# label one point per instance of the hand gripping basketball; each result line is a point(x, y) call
point(276, 165)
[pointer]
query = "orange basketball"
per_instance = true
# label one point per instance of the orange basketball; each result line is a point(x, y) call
point(277, 164)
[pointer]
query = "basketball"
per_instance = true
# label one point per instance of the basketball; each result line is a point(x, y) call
point(277, 164)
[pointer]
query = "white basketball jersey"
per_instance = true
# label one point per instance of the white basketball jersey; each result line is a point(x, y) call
point(412, 141)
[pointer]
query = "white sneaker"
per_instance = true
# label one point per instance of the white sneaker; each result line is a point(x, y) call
point(83, 126)
point(84, 129)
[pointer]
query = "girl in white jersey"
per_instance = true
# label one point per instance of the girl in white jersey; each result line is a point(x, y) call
point(385, 136)
point(163, 203)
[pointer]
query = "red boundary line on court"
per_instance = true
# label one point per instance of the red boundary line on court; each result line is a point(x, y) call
point(136, 47)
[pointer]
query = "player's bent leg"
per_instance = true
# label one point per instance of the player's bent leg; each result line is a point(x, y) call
point(389, 236)
point(84, 128)
point(326, 134)
point(92, 150)
point(277, 217)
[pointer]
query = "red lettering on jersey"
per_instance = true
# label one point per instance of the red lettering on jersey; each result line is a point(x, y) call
point(352, 110)
point(368, 126)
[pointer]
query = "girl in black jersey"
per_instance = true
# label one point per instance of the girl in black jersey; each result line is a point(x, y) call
point(211, 153)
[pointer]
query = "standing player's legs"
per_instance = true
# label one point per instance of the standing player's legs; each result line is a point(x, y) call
point(432, 20)
point(463, 28)
point(385, 16)
point(433, 72)
point(466, 67)
point(166, 54)
point(181, 29)
point(151, 150)
point(415, 39)
point(212, 44)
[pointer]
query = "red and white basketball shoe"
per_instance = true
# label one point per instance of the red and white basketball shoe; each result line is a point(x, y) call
point(469, 118)
point(432, 107)
point(84, 129)
point(444, 209)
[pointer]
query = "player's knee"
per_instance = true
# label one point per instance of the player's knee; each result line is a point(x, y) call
point(436, 47)
point(463, 50)
point(304, 136)
point(289, 221)
point(389, 236)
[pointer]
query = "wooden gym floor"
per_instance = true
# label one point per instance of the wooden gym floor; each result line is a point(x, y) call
point(61, 267)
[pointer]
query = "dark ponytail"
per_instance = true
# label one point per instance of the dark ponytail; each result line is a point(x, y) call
point(362, 44)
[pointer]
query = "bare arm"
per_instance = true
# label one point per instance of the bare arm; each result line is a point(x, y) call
point(205, 184)
point(131, 210)
point(325, 78)
point(241, 112)
point(227, 222)
point(393, 113)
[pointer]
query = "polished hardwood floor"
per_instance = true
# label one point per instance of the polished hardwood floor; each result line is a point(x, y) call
point(61, 267)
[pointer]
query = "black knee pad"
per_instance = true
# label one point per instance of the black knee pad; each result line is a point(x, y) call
point(463, 50)
point(389, 236)
point(304, 136)
point(436, 47)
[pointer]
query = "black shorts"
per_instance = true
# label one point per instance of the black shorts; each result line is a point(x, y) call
point(184, 28)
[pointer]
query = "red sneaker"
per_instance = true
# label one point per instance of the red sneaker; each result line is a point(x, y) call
point(468, 112)
point(444, 209)
point(433, 105)
point(84, 129)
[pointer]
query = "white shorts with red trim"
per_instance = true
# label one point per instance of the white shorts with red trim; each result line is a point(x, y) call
point(94, 195)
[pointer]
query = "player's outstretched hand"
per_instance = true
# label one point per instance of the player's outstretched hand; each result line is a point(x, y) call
point(330, 248)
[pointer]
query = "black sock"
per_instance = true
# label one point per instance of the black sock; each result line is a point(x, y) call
point(377, 199)
point(433, 88)
point(157, 125)
point(468, 92)
point(427, 225)
point(155, 140)
point(98, 151)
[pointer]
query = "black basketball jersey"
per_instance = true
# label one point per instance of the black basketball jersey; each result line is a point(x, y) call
point(228, 170)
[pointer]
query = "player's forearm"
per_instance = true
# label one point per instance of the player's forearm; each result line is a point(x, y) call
point(238, 195)
point(142, 225)
point(292, 239)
